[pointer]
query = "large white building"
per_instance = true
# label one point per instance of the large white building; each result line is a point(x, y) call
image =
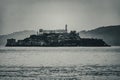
point(41, 31)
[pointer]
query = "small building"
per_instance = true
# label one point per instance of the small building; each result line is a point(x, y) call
point(11, 42)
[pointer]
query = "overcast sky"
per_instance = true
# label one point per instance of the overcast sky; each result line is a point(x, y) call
point(18, 15)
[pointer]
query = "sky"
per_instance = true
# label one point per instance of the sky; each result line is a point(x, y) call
point(19, 15)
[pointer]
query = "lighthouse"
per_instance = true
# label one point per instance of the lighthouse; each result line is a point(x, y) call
point(66, 27)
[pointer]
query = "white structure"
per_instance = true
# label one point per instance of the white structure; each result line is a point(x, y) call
point(41, 31)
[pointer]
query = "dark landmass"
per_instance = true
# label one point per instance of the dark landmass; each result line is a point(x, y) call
point(110, 34)
point(15, 35)
point(56, 38)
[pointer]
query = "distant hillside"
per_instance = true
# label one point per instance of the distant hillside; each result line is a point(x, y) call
point(110, 34)
point(15, 35)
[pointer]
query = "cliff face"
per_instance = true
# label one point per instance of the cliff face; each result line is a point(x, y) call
point(110, 34)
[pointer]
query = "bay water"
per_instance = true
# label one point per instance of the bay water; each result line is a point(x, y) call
point(68, 63)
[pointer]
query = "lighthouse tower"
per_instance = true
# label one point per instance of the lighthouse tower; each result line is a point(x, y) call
point(66, 27)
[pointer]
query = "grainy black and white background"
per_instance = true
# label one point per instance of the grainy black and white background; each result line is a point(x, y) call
point(59, 63)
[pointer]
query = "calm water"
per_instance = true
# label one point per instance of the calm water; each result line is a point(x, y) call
point(47, 63)
point(38, 56)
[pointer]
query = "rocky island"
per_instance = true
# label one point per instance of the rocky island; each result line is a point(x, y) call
point(56, 38)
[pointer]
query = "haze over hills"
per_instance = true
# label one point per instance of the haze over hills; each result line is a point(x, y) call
point(110, 34)
point(16, 35)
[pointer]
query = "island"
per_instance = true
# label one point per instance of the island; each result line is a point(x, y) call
point(56, 38)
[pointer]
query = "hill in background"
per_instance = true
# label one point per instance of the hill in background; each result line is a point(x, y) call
point(16, 35)
point(110, 34)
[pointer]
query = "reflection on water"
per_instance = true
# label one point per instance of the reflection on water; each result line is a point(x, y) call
point(59, 63)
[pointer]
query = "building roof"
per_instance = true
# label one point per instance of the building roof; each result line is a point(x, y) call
point(55, 31)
